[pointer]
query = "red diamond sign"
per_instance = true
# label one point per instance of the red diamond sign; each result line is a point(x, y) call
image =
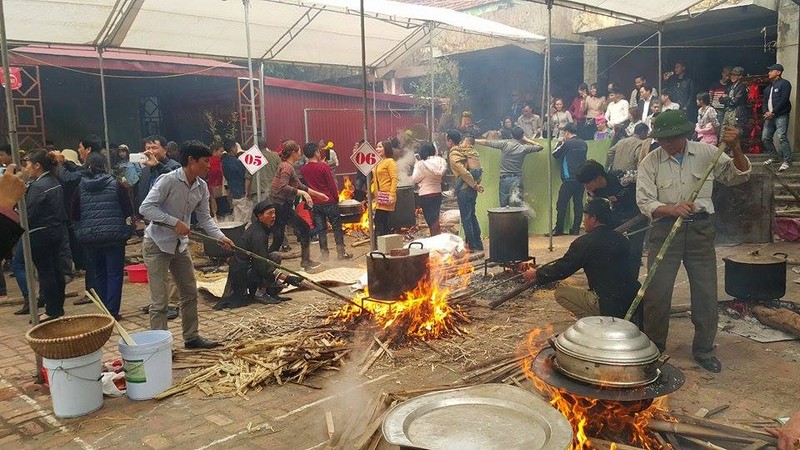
point(366, 158)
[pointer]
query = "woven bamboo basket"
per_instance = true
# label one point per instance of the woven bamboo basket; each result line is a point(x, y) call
point(71, 336)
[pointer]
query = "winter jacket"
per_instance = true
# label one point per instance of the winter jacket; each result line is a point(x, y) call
point(100, 210)
point(428, 175)
point(572, 153)
point(45, 202)
point(781, 91)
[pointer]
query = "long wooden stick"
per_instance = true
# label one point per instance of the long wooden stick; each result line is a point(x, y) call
point(99, 303)
point(668, 241)
point(317, 286)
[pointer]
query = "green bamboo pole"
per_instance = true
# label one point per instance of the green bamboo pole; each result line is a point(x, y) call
point(678, 222)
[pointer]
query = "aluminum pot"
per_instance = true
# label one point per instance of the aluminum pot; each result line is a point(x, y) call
point(756, 277)
point(389, 276)
point(607, 351)
point(351, 208)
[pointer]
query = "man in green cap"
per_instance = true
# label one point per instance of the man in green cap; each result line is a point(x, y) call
point(666, 179)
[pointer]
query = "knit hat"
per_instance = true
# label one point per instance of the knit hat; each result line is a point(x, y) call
point(671, 123)
point(600, 119)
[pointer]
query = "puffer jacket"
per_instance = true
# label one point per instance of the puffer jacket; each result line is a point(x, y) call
point(102, 218)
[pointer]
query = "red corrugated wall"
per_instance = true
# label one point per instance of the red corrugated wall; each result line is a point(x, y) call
point(286, 102)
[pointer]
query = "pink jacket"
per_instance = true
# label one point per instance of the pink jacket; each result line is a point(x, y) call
point(707, 126)
point(428, 175)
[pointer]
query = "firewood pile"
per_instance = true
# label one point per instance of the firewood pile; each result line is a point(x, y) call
point(251, 360)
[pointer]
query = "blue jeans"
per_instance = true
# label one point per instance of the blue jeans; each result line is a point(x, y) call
point(472, 230)
point(508, 185)
point(776, 143)
point(109, 262)
point(18, 269)
point(322, 215)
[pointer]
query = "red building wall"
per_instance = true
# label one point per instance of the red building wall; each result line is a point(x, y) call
point(289, 103)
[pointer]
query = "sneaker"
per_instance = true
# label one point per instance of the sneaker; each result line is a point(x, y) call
point(309, 265)
point(769, 162)
point(344, 256)
point(784, 167)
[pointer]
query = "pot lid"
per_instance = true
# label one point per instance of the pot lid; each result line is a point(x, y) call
point(349, 202)
point(755, 257)
point(608, 340)
point(412, 252)
point(230, 225)
point(509, 209)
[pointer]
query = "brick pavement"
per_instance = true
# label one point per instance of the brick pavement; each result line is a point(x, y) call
point(281, 417)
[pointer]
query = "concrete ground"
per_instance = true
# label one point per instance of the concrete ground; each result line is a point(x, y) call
point(758, 380)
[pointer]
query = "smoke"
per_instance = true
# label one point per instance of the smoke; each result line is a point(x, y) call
point(405, 166)
point(516, 200)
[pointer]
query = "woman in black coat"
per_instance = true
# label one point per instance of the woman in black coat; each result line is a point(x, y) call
point(47, 222)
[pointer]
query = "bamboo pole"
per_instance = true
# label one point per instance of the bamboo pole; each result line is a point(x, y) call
point(668, 241)
point(99, 303)
point(317, 286)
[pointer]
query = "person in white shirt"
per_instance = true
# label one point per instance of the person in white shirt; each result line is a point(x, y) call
point(617, 111)
point(667, 103)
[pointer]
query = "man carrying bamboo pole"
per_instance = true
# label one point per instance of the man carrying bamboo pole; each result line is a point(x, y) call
point(666, 178)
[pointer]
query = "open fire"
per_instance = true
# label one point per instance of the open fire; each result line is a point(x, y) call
point(363, 223)
point(593, 418)
point(422, 313)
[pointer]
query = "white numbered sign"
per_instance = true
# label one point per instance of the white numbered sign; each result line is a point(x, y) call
point(253, 159)
point(365, 158)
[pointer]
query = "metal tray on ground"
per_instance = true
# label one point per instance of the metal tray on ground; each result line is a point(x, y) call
point(489, 416)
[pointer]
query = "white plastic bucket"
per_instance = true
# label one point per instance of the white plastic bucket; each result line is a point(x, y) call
point(75, 386)
point(148, 364)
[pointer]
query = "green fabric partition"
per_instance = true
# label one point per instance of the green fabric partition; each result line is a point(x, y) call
point(536, 182)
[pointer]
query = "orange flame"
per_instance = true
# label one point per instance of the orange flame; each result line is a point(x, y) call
point(423, 313)
point(347, 190)
point(592, 417)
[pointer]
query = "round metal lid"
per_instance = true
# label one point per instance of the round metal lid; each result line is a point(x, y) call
point(670, 379)
point(491, 416)
point(230, 225)
point(608, 340)
point(756, 258)
point(508, 209)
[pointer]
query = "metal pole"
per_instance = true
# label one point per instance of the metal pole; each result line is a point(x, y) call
point(263, 102)
point(374, 110)
point(23, 209)
point(660, 68)
point(547, 58)
point(433, 72)
point(246, 4)
point(372, 241)
point(105, 109)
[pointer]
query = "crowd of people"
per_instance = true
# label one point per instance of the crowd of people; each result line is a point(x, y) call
point(615, 114)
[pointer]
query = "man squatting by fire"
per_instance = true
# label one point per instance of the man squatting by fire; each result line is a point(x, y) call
point(665, 181)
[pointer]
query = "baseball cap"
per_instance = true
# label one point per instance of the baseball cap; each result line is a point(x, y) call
point(71, 156)
point(777, 67)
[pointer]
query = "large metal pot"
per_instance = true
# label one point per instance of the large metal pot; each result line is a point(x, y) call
point(508, 234)
point(351, 210)
point(233, 230)
point(607, 351)
point(389, 276)
point(756, 277)
point(404, 214)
